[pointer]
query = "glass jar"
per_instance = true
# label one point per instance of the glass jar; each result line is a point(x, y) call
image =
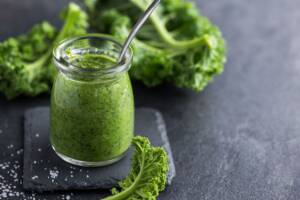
point(92, 107)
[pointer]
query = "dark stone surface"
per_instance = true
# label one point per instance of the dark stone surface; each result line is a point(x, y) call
point(45, 171)
point(239, 139)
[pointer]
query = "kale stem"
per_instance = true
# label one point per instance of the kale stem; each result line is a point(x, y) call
point(164, 33)
point(128, 191)
point(35, 66)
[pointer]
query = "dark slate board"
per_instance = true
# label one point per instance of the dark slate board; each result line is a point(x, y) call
point(45, 171)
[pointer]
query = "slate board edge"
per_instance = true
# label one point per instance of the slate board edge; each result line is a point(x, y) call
point(26, 168)
point(162, 127)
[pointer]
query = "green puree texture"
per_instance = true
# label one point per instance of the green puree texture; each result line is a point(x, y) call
point(90, 120)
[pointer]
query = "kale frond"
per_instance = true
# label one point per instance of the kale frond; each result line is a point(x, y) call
point(25, 61)
point(148, 175)
point(177, 44)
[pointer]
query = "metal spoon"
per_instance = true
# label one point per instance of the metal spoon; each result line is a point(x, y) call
point(137, 27)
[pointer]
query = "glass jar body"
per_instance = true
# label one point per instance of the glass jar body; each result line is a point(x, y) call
point(91, 122)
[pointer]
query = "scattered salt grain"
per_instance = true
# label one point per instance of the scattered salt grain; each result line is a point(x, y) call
point(53, 173)
point(9, 183)
point(20, 151)
point(4, 165)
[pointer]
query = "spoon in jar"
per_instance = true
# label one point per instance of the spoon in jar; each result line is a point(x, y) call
point(137, 27)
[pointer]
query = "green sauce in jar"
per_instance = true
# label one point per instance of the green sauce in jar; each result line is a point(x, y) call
point(92, 119)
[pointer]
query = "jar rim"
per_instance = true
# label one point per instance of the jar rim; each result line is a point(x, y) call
point(66, 66)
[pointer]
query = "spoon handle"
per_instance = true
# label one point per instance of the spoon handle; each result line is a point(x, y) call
point(137, 27)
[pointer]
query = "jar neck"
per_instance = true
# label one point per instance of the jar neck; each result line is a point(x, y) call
point(91, 75)
point(102, 79)
point(92, 57)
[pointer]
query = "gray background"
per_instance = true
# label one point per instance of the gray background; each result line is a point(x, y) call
point(240, 138)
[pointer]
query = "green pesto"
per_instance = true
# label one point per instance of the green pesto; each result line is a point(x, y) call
point(91, 120)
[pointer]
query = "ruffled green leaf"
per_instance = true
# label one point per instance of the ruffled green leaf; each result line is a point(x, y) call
point(148, 175)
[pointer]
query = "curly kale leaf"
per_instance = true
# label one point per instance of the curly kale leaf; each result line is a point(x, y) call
point(177, 44)
point(149, 168)
point(18, 75)
point(25, 61)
